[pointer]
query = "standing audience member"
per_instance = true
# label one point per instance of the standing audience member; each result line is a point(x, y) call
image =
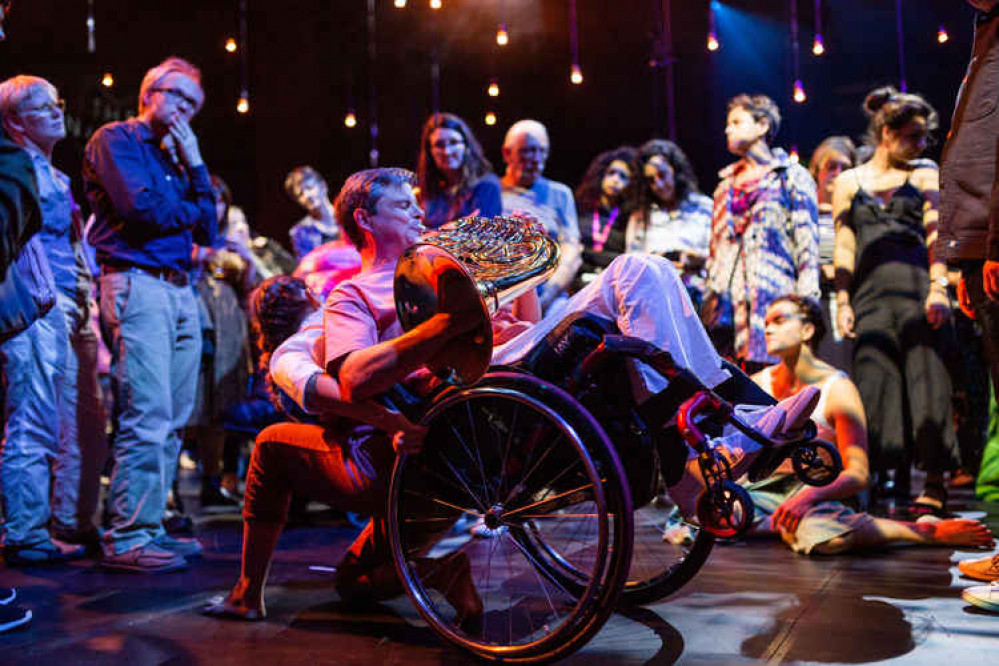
point(52, 450)
point(151, 194)
point(525, 190)
point(454, 176)
point(832, 157)
point(764, 235)
point(602, 200)
point(309, 190)
point(969, 233)
point(825, 520)
point(20, 221)
point(891, 292)
point(670, 216)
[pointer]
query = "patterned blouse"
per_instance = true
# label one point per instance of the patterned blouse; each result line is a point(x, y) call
point(776, 217)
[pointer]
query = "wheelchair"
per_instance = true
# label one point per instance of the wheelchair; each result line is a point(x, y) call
point(568, 478)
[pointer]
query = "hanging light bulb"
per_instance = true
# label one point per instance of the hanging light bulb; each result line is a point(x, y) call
point(794, 155)
point(493, 89)
point(490, 118)
point(818, 46)
point(435, 4)
point(713, 44)
point(577, 74)
point(400, 4)
point(230, 45)
point(799, 92)
point(243, 105)
point(107, 80)
point(502, 36)
point(942, 35)
point(350, 120)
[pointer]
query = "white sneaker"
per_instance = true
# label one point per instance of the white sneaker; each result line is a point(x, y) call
point(983, 596)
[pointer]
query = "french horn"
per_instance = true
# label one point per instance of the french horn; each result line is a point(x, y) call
point(480, 262)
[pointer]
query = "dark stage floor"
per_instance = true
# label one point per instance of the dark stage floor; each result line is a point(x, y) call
point(752, 602)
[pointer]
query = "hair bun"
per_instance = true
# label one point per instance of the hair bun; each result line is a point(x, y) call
point(878, 98)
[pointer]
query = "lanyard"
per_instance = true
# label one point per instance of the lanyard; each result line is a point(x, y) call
point(599, 232)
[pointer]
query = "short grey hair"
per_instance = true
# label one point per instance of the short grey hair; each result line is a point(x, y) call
point(18, 88)
point(159, 72)
point(529, 127)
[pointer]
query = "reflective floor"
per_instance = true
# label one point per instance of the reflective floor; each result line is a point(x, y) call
point(753, 602)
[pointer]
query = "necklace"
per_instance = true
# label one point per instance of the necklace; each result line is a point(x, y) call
point(600, 232)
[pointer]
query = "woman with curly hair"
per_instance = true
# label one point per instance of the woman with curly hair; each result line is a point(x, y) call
point(602, 200)
point(670, 216)
point(453, 174)
point(891, 292)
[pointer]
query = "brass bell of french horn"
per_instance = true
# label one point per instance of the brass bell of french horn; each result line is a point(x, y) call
point(478, 263)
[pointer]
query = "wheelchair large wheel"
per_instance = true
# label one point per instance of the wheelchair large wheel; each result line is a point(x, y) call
point(669, 550)
point(524, 458)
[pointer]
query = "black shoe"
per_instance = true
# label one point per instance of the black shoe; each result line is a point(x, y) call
point(177, 523)
point(219, 500)
point(12, 617)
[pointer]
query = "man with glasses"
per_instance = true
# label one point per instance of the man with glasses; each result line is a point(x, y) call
point(152, 198)
point(525, 190)
point(52, 450)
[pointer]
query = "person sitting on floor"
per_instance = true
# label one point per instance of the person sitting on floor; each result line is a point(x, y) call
point(823, 520)
point(364, 352)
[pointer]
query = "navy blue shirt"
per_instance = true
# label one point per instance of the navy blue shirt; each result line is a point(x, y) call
point(148, 210)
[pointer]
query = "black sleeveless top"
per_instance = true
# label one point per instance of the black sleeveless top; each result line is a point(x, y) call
point(891, 242)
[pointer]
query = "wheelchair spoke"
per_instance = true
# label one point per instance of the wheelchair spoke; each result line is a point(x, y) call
point(461, 479)
point(505, 452)
point(437, 500)
point(541, 584)
point(523, 480)
point(552, 503)
point(476, 459)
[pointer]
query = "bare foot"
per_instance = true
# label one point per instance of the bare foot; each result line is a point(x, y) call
point(451, 575)
point(236, 605)
point(956, 532)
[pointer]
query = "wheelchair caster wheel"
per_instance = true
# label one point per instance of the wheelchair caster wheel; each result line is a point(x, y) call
point(725, 510)
point(817, 463)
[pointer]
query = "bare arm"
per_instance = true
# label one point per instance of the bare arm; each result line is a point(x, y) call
point(365, 373)
point(845, 251)
point(937, 304)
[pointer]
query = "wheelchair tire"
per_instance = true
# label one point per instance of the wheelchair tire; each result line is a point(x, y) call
point(518, 452)
point(817, 463)
point(659, 565)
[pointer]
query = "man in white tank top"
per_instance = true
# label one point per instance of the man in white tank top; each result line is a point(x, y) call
point(821, 520)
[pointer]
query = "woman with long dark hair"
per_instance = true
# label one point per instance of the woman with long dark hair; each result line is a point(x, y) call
point(891, 292)
point(602, 200)
point(453, 174)
point(670, 216)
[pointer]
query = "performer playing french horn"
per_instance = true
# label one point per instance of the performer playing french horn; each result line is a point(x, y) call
point(365, 351)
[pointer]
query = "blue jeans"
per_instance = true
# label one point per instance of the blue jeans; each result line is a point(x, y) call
point(154, 333)
point(54, 443)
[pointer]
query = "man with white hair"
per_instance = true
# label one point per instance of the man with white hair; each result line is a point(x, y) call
point(151, 194)
point(51, 452)
point(525, 190)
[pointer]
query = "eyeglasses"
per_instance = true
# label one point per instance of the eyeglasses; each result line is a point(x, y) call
point(444, 144)
point(48, 107)
point(178, 94)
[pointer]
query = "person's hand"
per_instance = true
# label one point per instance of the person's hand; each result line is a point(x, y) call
point(407, 437)
point(990, 279)
point(186, 143)
point(964, 299)
point(937, 307)
point(845, 321)
point(788, 515)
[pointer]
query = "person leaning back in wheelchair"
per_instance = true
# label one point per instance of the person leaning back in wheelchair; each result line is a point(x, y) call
point(822, 520)
point(365, 352)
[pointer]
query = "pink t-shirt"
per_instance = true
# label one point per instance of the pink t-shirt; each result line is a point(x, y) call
point(360, 312)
